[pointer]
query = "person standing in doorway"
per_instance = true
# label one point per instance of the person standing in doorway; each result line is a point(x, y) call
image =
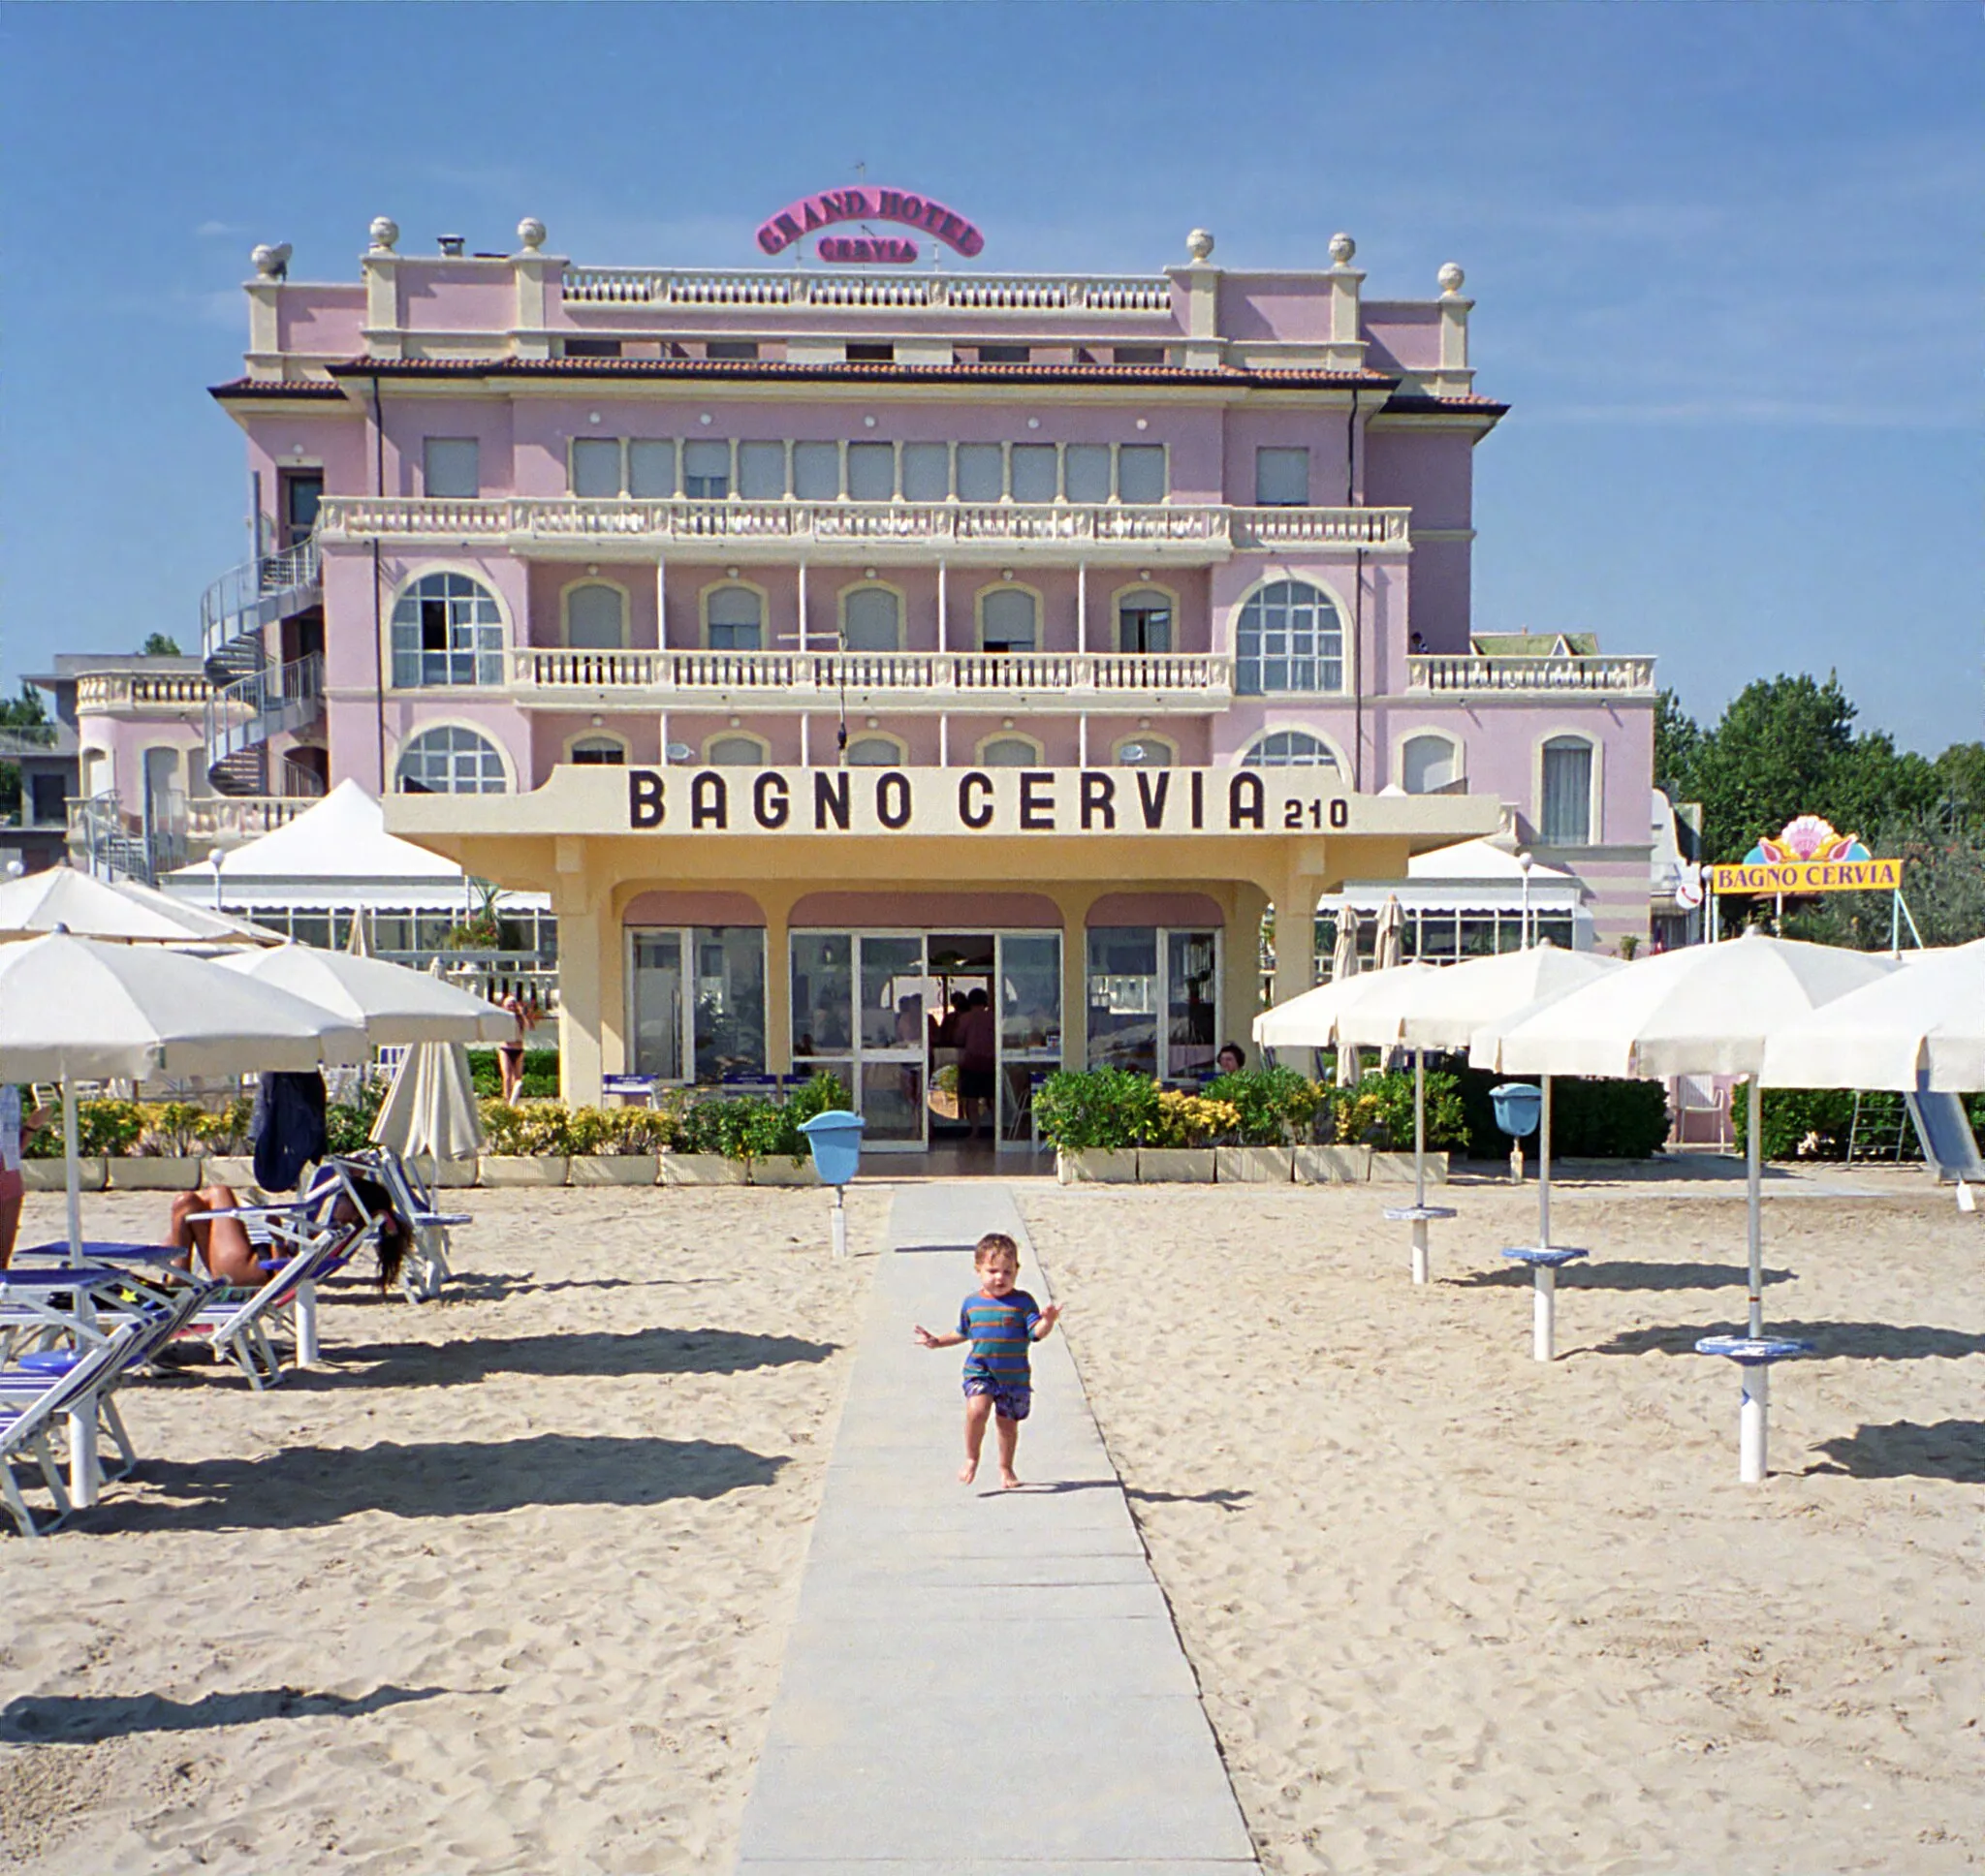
point(978, 1059)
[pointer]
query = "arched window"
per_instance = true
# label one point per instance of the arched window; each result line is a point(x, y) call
point(736, 619)
point(1565, 819)
point(1146, 752)
point(595, 619)
point(1427, 763)
point(872, 618)
point(734, 752)
point(600, 752)
point(874, 752)
point(449, 760)
point(1007, 619)
point(1288, 749)
point(1009, 752)
point(1291, 638)
point(447, 629)
point(1143, 622)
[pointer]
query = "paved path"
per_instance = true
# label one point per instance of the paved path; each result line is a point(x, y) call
point(979, 1683)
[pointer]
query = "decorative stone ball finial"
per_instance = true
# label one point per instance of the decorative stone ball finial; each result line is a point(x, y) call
point(385, 230)
point(530, 232)
point(1451, 277)
point(1199, 244)
point(1341, 248)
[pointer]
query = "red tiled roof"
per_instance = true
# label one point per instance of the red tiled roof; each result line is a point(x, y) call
point(292, 388)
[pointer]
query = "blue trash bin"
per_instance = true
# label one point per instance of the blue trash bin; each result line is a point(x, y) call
point(835, 1138)
point(1519, 1107)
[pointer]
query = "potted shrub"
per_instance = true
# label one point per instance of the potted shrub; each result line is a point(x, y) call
point(161, 1154)
point(1275, 1106)
point(1179, 1146)
point(1378, 1114)
point(1094, 1118)
point(525, 1144)
point(42, 1167)
point(223, 1134)
point(780, 1153)
point(701, 1136)
point(615, 1146)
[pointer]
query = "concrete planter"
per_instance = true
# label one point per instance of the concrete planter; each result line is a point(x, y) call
point(164, 1173)
point(616, 1168)
point(523, 1169)
point(782, 1172)
point(236, 1170)
point(1396, 1168)
point(1098, 1165)
point(447, 1174)
point(1333, 1165)
point(1175, 1165)
point(700, 1169)
point(1255, 1165)
point(49, 1175)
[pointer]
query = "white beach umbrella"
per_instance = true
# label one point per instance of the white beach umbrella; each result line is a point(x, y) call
point(431, 1108)
point(77, 1008)
point(60, 898)
point(391, 1003)
point(1919, 1030)
point(1343, 966)
point(1704, 1009)
point(1388, 940)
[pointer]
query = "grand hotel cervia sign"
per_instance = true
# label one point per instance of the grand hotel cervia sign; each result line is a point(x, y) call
point(858, 202)
point(969, 801)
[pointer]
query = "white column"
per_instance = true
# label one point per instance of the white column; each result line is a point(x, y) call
point(664, 738)
point(1081, 606)
point(943, 740)
point(805, 743)
point(1081, 734)
point(802, 606)
point(943, 630)
point(662, 603)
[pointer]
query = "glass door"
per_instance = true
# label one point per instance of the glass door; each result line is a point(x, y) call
point(1028, 974)
point(857, 1013)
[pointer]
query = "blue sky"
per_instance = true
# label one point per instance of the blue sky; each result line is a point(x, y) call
point(1724, 256)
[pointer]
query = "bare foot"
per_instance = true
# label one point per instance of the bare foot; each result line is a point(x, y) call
point(1008, 1479)
point(967, 1472)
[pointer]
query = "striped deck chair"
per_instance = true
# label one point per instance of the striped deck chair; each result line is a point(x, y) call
point(26, 1425)
point(425, 1269)
point(242, 1328)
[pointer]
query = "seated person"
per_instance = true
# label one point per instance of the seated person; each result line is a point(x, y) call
point(226, 1252)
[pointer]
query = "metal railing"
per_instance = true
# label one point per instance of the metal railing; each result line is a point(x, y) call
point(259, 592)
point(975, 293)
point(1458, 675)
point(263, 705)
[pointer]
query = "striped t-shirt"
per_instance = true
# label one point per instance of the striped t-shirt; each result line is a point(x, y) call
point(1000, 1330)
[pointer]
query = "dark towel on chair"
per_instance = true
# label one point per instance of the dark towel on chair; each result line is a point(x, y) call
point(287, 1131)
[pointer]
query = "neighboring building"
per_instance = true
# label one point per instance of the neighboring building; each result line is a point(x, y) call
point(37, 836)
point(529, 523)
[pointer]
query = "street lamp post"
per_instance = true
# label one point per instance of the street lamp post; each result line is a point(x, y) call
point(1525, 863)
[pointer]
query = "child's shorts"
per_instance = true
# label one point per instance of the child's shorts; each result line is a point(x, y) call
point(1008, 1402)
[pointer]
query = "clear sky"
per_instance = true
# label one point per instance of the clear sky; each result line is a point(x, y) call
point(1725, 258)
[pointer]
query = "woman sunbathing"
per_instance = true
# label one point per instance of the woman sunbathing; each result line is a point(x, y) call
point(226, 1252)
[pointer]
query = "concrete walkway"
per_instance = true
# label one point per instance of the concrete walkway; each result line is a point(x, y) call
point(979, 1682)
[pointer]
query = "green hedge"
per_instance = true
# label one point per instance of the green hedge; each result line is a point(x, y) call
point(1591, 1120)
point(1819, 1123)
point(539, 1074)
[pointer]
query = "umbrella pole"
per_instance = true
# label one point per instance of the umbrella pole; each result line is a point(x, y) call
point(1754, 1196)
point(1544, 1168)
point(1419, 1127)
point(72, 1172)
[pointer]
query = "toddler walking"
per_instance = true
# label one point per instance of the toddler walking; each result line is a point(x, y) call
point(999, 1321)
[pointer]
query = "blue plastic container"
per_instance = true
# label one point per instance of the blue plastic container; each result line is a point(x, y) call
point(835, 1138)
point(1519, 1107)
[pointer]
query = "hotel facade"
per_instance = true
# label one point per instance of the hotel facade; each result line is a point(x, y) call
point(828, 640)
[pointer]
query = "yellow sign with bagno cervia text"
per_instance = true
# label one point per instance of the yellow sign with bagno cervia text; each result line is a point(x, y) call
point(1793, 876)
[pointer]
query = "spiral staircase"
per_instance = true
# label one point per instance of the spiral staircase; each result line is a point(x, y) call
point(256, 697)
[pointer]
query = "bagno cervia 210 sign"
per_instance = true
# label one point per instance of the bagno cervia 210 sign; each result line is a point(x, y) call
point(1078, 801)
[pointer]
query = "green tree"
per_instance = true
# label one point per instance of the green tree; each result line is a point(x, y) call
point(23, 713)
point(1677, 741)
point(1961, 778)
point(1943, 885)
point(160, 645)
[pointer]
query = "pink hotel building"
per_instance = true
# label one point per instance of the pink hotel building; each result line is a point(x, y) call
point(556, 556)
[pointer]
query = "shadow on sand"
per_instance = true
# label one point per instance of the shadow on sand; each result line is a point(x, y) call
point(88, 1719)
point(300, 1486)
point(1623, 1274)
point(1832, 1341)
point(1947, 1448)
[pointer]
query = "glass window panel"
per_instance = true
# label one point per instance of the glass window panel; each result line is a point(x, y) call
point(822, 992)
point(727, 994)
point(1008, 613)
point(872, 617)
point(450, 466)
point(1282, 478)
point(892, 994)
point(1145, 752)
point(981, 472)
point(891, 1101)
point(600, 752)
point(735, 620)
point(1123, 997)
point(1035, 467)
point(736, 752)
point(1568, 816)
point(817, 471)
point(1191, 1003)
point(1288, 749)
point(707, 470)
point(1141, 472)
point(1477, 937)
point(1289, 637)
point(871, 471)
point(761, 471)
point(1425, 764)
point(596, 466)
point(1088, 470)
point(1144, 624)
point(652, 469)
point(658, 1004)
point(927, 472)
point(873, 751)
point(595, 619)
point(450, 761)
point(1009, 752)
point(1557, 929)
point(1030, 993)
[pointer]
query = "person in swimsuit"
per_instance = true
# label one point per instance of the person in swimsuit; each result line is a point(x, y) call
point(509, 1054)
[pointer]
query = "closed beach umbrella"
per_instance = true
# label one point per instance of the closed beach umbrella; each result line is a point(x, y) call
point(391, 1003)
point(1389, 939)
point(431, 1108)
point(1920, 1030)
point(62, 899)
point(1343, 966)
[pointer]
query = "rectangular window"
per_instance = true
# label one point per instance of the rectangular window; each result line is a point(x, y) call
point(732, 349)
point(817, 471)
point(658, 1005)
point(596, 466)
point(871, 471)
point(1568, 816)
point(1138, 354)
point(1006, 354)
point(1035, 476)
point(1123, 997)
point(761, 471)
point(592, 348)
point(871, 353)
point(1282, 478)
point(1087, 469)
point(1192, 1000)
point(1141, 472)
point(449, 467)
point(652, 470)
point(927, 472)
point(707, 470)
point(727, 1005)
point(981, 472)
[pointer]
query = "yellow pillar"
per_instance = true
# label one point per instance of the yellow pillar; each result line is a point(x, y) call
point(577, 904)
point(1240, 963)
point(1296, 896)
point(1075, 902)
point(778, 979)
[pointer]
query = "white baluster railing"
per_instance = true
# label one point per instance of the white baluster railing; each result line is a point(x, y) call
point(1439, 674)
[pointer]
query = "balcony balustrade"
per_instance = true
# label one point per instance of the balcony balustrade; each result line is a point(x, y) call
point(1155, 683)
point(969, 293)
point(1474, 677)
point(140, 691)
point(773, 529)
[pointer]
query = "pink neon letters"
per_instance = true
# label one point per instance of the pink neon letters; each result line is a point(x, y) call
point(867, 250)
point(864, 204)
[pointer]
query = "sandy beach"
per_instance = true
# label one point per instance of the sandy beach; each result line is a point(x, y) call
point(501, 1587)
point(1453, 1610)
